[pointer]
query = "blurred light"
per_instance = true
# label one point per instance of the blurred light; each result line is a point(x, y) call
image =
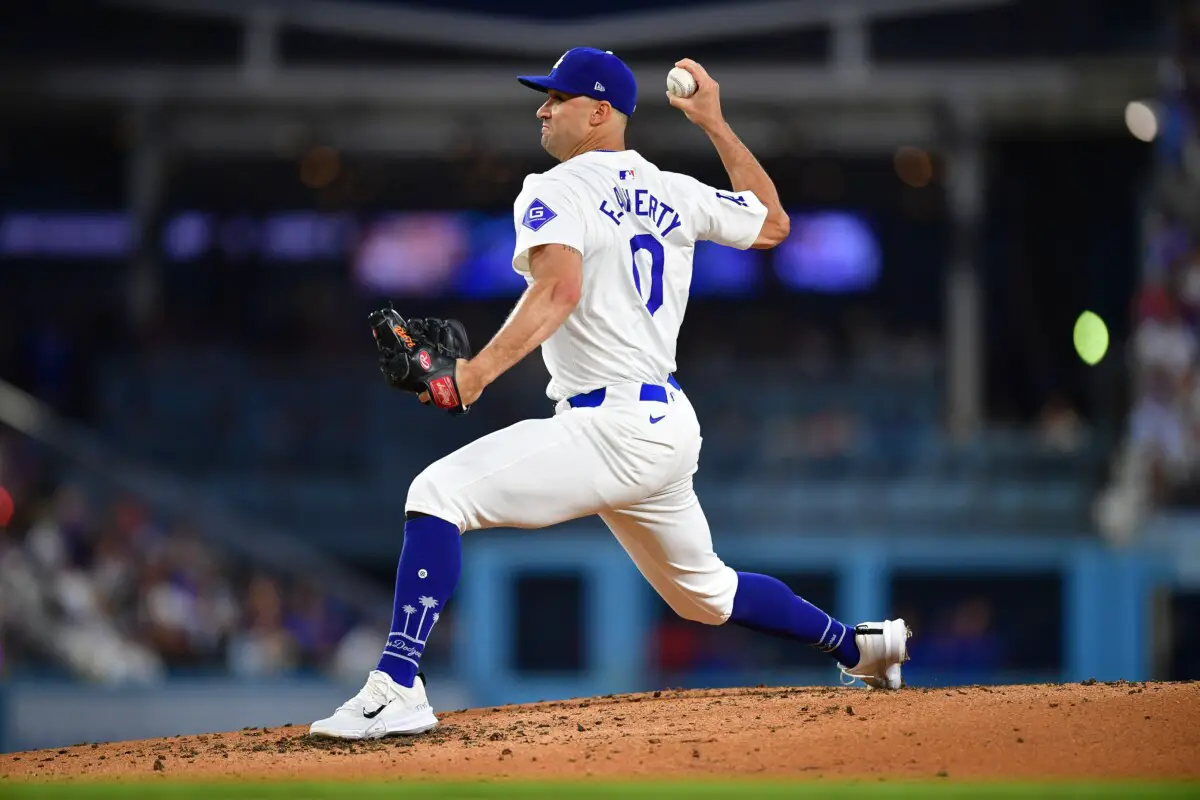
point(414, 254)
point(6, 507)
point(1091, 337)
point(187, 236)
point(306, 236)
point(834, 253)
point(1141, 120)
point(914, 166)
point(81, 235)
point(487, 270)
point(319, 167)
point(830, 252)
point(725, 271)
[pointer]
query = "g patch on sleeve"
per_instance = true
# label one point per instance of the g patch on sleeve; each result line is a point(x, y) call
point(537, 215)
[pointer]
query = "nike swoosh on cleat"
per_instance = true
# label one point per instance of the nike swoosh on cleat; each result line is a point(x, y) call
point(657, 419)
point(373, 714)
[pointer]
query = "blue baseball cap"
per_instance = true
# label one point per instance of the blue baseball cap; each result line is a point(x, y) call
point(595, 73)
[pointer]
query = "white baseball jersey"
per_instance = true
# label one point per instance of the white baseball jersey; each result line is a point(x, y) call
point(629, 453)
point(637, 227)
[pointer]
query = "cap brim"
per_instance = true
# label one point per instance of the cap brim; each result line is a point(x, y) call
point(543, 83)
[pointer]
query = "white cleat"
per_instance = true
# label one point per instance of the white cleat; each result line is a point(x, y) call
point(381, 708)
point(882, 648)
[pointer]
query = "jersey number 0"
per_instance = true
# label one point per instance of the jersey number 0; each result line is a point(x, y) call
point(647, 242)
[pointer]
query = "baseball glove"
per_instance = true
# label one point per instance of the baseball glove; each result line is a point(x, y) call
point(421, 355)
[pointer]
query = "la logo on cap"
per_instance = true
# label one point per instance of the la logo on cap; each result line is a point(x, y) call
point(560, 60)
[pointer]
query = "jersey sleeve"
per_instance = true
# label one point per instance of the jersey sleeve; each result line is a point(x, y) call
point(733, 219)
point(546, 212)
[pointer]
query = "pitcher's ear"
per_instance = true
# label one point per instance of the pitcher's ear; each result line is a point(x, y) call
point(602, 111)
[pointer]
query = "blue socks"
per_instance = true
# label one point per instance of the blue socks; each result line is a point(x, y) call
point(766, 604)
point(430, 563)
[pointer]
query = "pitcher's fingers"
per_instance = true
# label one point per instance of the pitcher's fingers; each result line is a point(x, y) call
point(698, 72)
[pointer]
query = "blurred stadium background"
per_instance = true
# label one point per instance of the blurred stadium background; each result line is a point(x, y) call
point(203, 475)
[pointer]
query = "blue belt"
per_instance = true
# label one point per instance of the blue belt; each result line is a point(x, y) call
point(650, 391)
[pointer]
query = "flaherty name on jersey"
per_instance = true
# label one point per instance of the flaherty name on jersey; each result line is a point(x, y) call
point(641, 203)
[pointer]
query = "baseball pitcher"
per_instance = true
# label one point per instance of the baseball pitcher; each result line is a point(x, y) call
point(605, 242)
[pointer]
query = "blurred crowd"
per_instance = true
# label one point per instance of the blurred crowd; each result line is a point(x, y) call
point(1159, 465)
point(1164, 428)
point(98, 587)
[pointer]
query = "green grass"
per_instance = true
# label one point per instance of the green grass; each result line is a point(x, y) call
point(550, 790)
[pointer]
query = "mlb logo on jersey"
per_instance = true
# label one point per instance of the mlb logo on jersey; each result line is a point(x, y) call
point(626, 173)
point(537, 215)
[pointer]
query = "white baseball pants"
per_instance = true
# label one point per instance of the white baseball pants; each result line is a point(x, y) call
point(629, 460)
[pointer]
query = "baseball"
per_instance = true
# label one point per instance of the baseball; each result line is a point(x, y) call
point(680, 82)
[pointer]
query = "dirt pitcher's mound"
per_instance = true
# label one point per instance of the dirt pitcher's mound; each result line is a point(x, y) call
point(1118, 730)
